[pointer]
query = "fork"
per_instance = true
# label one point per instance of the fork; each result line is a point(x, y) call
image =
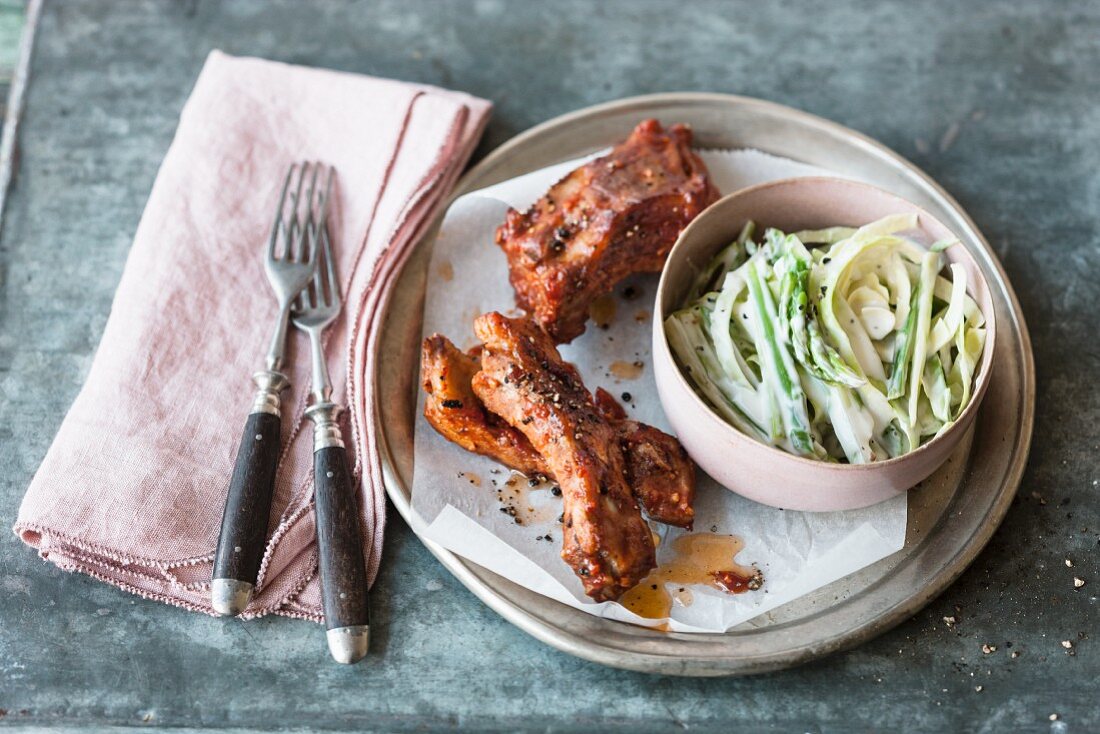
point(339, 545)
point(290, 262)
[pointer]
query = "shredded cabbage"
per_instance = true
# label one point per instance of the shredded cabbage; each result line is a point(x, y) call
point(838, 344)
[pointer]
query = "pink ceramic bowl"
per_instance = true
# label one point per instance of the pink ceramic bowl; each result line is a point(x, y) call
point(752, 469)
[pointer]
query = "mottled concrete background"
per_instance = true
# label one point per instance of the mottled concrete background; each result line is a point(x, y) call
point(11, 26)
point(999, 101)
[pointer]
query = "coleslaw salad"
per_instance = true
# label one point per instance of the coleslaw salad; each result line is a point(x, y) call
point(839, 344)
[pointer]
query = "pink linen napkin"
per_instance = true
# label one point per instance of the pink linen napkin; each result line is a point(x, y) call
point(132, 489)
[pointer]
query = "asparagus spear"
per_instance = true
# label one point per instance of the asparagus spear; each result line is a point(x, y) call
point(779, 364)
point(903, 350)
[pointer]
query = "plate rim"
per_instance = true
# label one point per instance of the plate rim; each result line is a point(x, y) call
point(595, 650)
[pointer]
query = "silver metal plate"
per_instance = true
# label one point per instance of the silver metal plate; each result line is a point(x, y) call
point(951, 516)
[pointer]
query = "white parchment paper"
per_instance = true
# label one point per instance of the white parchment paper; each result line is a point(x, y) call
point(455, 492)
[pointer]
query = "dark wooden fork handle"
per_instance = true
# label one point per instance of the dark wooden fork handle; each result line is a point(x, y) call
point(340, 546)
point(247, 507)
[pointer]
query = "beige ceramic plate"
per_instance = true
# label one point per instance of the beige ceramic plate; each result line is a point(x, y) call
point(951, 517)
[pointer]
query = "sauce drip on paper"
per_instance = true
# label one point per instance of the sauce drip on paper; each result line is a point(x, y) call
point(602, 310)
point(699, 558)
point(627, 370)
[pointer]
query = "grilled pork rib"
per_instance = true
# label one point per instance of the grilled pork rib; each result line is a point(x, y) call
point(453, 409)
point(614, 216)
point(658, 469)
point(524, 380)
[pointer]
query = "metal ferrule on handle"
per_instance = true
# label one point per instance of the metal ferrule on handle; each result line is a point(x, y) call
point(269, 386)
point(326, 431)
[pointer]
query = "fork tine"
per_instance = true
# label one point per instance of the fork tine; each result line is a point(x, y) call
point(328, 286)
point(305, 252)
point(301, 300)
point(333, 293)
point(277, 225)
point(322, 225)
point(317, 288)
point(296, 229)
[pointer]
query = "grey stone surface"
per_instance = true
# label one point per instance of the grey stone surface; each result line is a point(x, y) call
point(999, 101)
